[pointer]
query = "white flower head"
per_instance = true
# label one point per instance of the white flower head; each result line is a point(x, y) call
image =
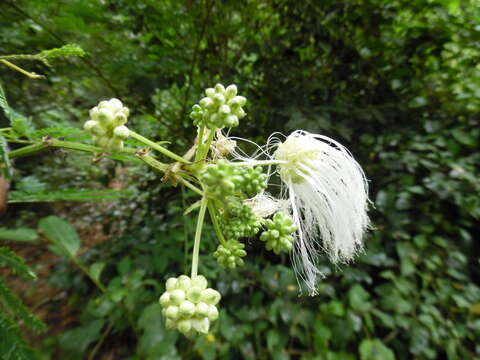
point(328, 195)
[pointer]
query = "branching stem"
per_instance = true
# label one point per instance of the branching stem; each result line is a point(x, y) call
point(158, 147)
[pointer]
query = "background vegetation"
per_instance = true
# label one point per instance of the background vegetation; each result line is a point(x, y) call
point(396, 81)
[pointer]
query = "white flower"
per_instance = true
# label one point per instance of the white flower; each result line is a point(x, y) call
point(328, 195)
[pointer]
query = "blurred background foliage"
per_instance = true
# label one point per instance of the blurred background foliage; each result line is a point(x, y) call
point(396, 81)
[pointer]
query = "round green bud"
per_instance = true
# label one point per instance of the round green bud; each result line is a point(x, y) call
point(202, 309)
point(164, 299)
point(177, 296)
point(184, 326)
point(170, 324)
point(171, 284)
point(172, 312)
point(105, 116)
point(194, 294)
point(212, 313)
point(201, 325)
point(230, 91)
point(94, 113)
point(120, 119)
point(210, 296)
point(121, 132)
point(200, 281)
point(278, 234)
point(184, 282)
point(206, 102)
point(220, 89)
point(115, 145)
point(210, 92)
point(186, 309)
point(219, 99)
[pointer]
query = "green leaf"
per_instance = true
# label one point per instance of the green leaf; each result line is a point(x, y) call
point(12, 345)
point(4, 104)
point(374, 349)
point(78, 340)
point(15, 304)
point(358, 298)
point(63, 236)
point(65, 51)
point(68, 195)
point(273, 339)
point(9, 258)
point(96, 270)
point(19, 234)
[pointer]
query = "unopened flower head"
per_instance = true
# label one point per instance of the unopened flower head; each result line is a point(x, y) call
point(107, 124)
point(328, 196)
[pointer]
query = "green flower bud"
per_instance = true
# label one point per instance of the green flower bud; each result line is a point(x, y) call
point(202, 309)
point(186, 309)
point(230, 255)
point(201, 325)
point(121, 132)
point(200, 281)
point(220, 89)
point(212, 313)
point(210, 296)
point(194, 294)
point(115, 145)
point(177, 296)
point(172, 312)
point(210, 92)
point(230, 91)
point(278, 236)
point(164, 299)
point(171, 284)
point(184, 326)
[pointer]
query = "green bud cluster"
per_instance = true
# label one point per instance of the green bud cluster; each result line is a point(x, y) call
point(278, 236)
point(107, 125)
point(253, 180)
point(238, 220)
point(225, 179)
point(189, 305)
point(230, 255)
point(220, 108)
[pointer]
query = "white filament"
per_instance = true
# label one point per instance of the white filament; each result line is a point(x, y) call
point(328, 194)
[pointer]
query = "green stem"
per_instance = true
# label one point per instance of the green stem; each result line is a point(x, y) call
point(198, 235)
point(20, 70)
point(36, 147)
point(213, 215)
point(190, 185)
point(149, 160)
point(200, 143)
point(26, 150)
point(157, 147)
point(208, 143)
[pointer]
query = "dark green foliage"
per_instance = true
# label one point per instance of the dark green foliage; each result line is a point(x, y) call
point(395, 81)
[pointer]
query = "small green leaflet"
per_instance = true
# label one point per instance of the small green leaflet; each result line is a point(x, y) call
point(62, 235)
point(19, 234)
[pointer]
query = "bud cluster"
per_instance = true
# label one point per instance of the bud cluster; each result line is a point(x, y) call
point(230, 255)
point(107, 124)
point(220, 108)
point(278, 236)
point(189, 305)
point(238, 220)
point(225, 179)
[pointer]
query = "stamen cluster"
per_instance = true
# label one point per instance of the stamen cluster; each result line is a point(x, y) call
point(107, 125)
point(220, 108)
point(189, 305)
point(230, 255)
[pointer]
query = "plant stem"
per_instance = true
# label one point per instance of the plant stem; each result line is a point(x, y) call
point(33, 148)
point(200, 143)
point(198, 235)
point(190, 185)
point(212, 210)
point(20, 70)
point(157, 147)
point(205, 150)
point(149, 160)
